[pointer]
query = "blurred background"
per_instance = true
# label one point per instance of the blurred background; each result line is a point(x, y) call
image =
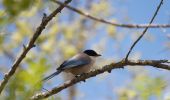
point(69, 33)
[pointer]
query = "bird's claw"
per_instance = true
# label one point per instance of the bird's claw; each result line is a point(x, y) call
point(109, 71)
point(76, 76)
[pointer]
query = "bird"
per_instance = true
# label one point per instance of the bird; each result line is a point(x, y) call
point(79, 64)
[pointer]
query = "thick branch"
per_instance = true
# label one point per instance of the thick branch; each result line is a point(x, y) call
point(121, 64)
point(44, 22)
point(144, 31)
point(113, 23)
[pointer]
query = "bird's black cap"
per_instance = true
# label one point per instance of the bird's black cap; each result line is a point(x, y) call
point(91, 53)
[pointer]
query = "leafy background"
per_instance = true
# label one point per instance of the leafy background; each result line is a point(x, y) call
point(69, 33)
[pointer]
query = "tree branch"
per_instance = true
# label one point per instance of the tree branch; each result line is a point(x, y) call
point(113, 23)
point(30, 45)
point(144, 31)
point(155, 63)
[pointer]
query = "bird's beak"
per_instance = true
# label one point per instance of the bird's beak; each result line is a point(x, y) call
point(99, 55)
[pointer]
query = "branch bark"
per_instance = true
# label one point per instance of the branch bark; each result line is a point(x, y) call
point(112, 23)
point(163, 64)
point(30, 45)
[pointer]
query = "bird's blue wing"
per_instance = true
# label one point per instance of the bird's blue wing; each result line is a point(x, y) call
point(73, 63)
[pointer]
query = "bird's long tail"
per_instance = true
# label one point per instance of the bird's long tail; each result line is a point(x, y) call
point(52, 75)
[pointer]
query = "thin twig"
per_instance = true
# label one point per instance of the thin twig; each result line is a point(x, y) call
point(121, 64)
point(113, 23)
point(144, 31)
point(26, 49)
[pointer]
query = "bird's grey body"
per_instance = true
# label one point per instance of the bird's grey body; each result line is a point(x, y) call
point(78, 64)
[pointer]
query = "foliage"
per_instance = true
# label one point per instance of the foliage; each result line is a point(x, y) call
point(66, 35)
point(143, 88)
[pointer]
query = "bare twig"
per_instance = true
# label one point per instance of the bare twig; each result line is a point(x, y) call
point(144, 31)
point(113, 23)
point(163, 64)
point(44, 22)
point(121, 64)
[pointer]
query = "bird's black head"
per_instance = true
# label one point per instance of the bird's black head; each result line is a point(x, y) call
point(91, 53)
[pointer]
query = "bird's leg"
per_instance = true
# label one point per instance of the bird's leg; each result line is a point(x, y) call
point(76, 76)
point(109, 71)
point(79, 75)
point(82, 74)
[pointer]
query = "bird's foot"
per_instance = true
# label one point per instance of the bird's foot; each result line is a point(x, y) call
point(109, 71)
point(83, 75)
point(76, 76)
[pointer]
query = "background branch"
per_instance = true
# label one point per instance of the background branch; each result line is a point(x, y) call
point(144, 31)
point(121, 64)
point(113, 23)
point(44, 22)
point(155, 63)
